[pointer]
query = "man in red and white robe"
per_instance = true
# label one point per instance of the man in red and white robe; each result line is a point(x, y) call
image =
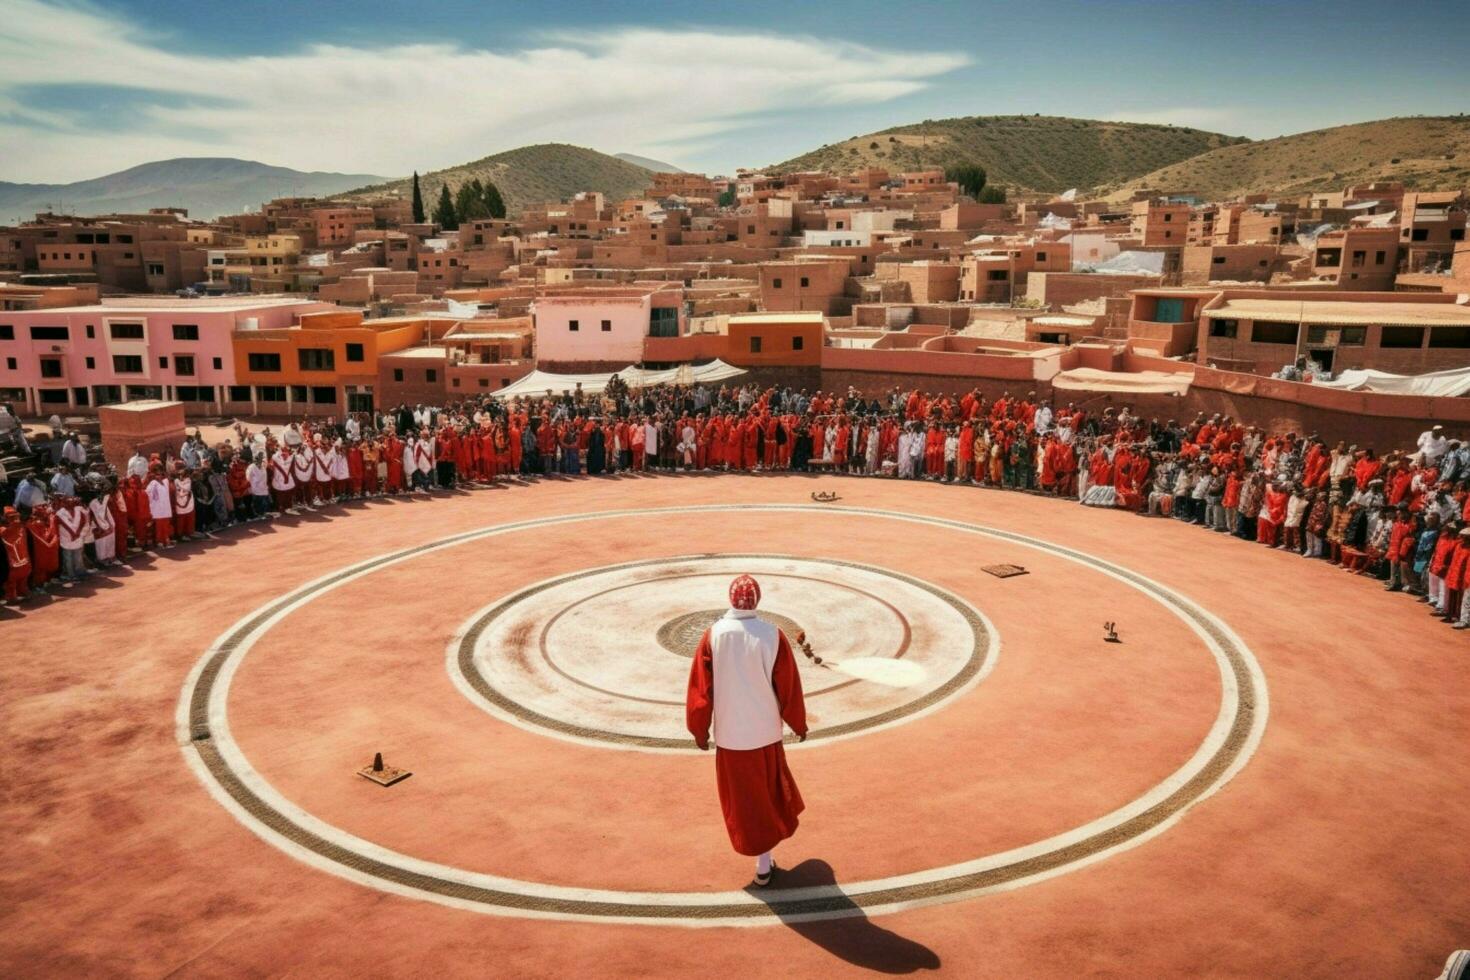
point(744, 679)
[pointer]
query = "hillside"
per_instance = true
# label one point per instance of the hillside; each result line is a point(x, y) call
point(1427, 153)
point(649, 163)
point(1035, 153)
point(531, 175)
point(206, 186)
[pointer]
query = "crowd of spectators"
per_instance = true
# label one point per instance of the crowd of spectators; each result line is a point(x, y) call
point(1403, 518)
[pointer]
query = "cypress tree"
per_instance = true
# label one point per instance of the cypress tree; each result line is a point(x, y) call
point(494, 203)
point(418, 201)
point(444, 215)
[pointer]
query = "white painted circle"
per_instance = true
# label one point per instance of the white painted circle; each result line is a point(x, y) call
point(589, 657)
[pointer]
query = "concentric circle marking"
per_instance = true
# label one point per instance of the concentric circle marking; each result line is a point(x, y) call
point(546, 659)
point(681, 635)
point(215, 757)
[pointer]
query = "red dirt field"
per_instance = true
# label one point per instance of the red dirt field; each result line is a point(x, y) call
point(1337, 849)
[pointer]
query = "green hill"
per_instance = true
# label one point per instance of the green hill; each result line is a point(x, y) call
point(531, 175)
point(1424, 153)
point(1029, 153)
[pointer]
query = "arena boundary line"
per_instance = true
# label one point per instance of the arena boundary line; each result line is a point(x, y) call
point(212, 754)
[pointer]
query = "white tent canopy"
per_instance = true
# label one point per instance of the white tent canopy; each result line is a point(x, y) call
point(539, 382)
point(1440, 384)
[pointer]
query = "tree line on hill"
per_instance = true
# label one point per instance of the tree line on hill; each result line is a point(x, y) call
point(473, 200)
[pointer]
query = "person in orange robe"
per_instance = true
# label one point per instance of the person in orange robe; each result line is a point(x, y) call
point(744, 681)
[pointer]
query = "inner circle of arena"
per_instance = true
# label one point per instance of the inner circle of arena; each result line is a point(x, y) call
point(343, 842)
point(573, 656)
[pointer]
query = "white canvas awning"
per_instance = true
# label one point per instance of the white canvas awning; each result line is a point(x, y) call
point(539, 382)
point(1445, 384)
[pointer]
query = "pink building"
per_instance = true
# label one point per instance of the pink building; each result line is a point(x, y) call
point(595, 328)
point(81, 357)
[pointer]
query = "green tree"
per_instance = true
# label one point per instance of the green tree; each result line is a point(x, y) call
point(444, 215)
point(727, 196)
point(469, 201)
point(970, 177)
point(991, 195)
point(494, 203)
point(418, 201)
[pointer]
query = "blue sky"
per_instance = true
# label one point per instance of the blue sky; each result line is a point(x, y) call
point(385, 87)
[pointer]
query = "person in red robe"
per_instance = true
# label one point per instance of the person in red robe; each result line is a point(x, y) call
point(45, 544)
point(744, 680)
point(17, 554)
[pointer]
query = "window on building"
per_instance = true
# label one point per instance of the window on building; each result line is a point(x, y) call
point(354, 352)
point(7, 331)
point(1450, 337)
point(1360, 259)
point(1266, 332)
point(125, 331)
point(1168, 217)
point(607, 326)
point(271, 393)
point(10, 365)
point(80, 396)
point(238, 393)
point(323, 395)
point(805, 282)
point(1420, 235)
point(50, 333)
point(184, 365)
point(127, 364)
point(755, 345)
point(1224, 328)
point(1168, 234)
point(155, 268)
point(1402, 337)
point(1352, 336)
point(91, 363)
point(106, 394)
point(1329, 258)
point(398, 374)
point(1041, 256)
point(163, 362)
point(1219, 260)
point(53, 396)
point(264, 362)
point(431, 375)
point(1457, 234)
point(750, 229)
point(1379, 256)
point(997, 275)
point(316, 359)
point(573, 326)
point(797, 343)
point(217, 364)
point(484, 382)
point(776, 283)
point(91, 331)
point(50, 367)
point(186, 331)
point(192, 393)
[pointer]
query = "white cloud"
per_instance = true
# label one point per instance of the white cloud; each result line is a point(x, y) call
point(392, 109)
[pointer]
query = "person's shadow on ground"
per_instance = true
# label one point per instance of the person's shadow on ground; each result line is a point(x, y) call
point(853, 937)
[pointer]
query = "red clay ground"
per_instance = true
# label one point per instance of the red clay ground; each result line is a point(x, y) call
point(1339, 850)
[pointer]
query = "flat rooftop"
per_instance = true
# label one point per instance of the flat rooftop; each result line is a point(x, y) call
point(176, 304)
point(1323, 311)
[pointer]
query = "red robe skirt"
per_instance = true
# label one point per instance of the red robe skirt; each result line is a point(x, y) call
point(758, 797)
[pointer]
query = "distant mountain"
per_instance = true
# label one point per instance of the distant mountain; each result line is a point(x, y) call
point(1029, 153)
point(1422, 152)
point(206, 186)
point(530, 175)
point(649, 163)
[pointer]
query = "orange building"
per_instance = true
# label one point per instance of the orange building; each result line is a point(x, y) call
point(325, 365)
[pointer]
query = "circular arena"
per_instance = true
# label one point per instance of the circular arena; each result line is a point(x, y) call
point(1259, 772)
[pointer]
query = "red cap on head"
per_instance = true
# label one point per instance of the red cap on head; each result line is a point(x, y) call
point(745, 593)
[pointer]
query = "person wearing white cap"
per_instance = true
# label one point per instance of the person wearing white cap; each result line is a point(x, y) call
point(1433, 444)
